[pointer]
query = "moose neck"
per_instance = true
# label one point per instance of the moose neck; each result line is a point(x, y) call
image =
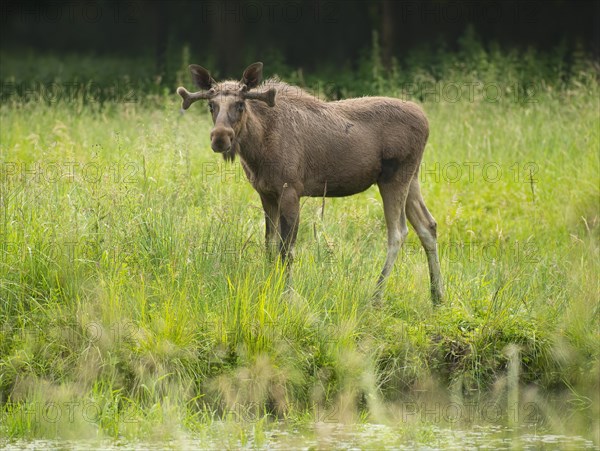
point(251, 138)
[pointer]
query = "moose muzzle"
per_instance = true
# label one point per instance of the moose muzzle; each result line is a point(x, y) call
point(221, 139)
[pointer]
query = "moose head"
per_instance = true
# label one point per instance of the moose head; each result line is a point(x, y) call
point(226, 102)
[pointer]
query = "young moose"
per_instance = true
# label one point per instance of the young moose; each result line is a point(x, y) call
point(302, 146)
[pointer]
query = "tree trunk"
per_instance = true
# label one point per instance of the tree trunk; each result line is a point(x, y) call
point(387, 32)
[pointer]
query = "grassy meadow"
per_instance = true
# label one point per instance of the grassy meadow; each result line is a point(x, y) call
point(137, 302)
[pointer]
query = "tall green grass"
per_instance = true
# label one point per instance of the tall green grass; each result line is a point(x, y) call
point(137, 300)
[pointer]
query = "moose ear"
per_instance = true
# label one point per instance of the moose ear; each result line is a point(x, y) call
point(201, 77)
point(252, 75)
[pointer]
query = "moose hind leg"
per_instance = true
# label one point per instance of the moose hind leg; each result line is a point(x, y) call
point(426, 228)
point(394, 196)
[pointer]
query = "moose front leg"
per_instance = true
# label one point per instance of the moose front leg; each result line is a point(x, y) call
point(289, 216)
point(271, 224)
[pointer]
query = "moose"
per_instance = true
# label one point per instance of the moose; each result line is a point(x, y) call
point(293, 144)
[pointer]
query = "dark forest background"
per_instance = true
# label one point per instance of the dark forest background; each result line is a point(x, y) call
point(306, 34)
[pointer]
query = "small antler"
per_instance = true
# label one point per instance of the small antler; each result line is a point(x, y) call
point(191, 97)
point(265, 96)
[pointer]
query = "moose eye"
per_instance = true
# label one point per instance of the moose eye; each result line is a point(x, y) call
point(240, 106)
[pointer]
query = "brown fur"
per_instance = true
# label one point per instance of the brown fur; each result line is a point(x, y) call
point(303, 146)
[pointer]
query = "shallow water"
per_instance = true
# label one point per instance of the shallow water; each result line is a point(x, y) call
point(329, 436)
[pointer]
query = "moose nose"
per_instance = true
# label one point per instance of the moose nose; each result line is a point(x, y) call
point(221, 138)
